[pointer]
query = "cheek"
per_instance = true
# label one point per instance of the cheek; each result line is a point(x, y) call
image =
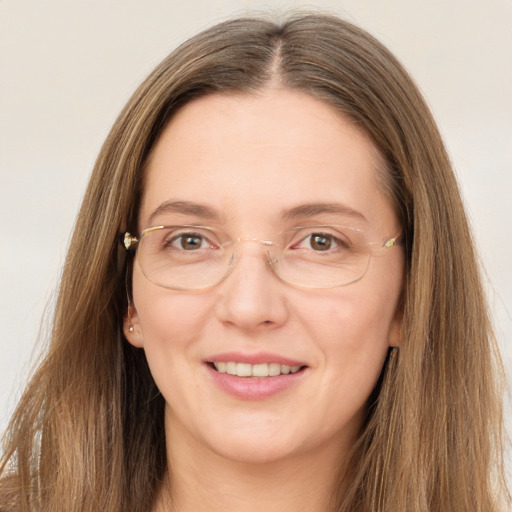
point(357, 354)
point(353, 334)
point(169, 321)
point(357, 321)
point(350, 335)
point(171, 325)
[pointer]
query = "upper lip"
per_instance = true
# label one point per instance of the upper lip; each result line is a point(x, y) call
point(257, 358)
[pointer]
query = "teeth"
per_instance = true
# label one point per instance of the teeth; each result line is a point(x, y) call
point(274, 369)
point(260, 370)
point(221, 367)
point(244, 370)
point(255, 370)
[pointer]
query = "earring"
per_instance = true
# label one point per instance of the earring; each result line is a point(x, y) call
point(130, 329)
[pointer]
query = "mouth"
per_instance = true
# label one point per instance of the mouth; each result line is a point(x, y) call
point(255, 376)
point(258, 371)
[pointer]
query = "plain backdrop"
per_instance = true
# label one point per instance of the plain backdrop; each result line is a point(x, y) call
point(67, 68)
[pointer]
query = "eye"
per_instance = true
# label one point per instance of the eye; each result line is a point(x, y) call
point(189, 242)
point(321, 242)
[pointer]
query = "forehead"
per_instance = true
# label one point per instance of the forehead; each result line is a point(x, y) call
point(253, 156)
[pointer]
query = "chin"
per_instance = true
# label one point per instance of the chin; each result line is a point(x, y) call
point(251, 438)
point(256, 451)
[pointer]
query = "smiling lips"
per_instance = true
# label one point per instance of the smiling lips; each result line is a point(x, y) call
point(259, 370)
point(255, 376)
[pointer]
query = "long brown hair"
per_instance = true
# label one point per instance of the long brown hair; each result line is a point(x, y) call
point(88, 434)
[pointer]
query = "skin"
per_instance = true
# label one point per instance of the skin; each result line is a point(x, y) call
point(248, 158)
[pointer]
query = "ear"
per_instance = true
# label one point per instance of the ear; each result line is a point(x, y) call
point(131, 327)
point(395, 329)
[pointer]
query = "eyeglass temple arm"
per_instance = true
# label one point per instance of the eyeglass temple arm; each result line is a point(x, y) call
point(392, 241)
point(129, 241)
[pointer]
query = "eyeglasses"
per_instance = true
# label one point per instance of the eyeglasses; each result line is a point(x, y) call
point(199, 257)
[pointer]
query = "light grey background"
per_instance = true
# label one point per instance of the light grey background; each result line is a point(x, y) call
point(67, 68)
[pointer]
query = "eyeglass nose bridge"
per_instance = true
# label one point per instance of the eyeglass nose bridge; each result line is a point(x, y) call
point(257, 240)
point(271, 259)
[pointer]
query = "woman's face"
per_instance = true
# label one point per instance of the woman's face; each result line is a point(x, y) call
point(251, 166)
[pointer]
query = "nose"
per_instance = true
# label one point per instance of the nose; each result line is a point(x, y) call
point(252, 296)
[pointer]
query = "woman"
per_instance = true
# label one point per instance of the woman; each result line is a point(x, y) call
point(293, 318)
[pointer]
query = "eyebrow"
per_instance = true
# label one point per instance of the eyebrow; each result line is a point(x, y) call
point(312, 209)
point(185, 208)
point(303, 210)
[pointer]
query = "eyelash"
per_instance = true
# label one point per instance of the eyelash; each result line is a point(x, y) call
point(183, 236)
point(330, 238)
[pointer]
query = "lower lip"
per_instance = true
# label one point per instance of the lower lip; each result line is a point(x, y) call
point(247, 388)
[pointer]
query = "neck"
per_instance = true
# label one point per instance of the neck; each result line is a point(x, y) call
point(208, 481)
